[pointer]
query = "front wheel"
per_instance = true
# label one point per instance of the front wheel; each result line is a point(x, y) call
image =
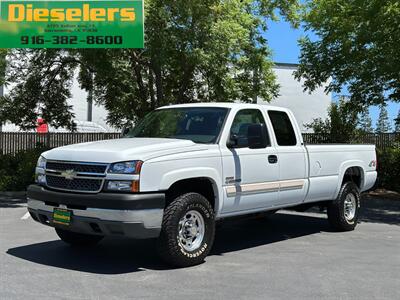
point(343, 212)
point(188, 230)
point(78, 239)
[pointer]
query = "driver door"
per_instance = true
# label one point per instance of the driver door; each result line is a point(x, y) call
point(250, 175)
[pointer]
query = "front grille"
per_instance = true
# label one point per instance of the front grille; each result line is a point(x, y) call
point(79, 168)
point(75, 176)
point(76, 184)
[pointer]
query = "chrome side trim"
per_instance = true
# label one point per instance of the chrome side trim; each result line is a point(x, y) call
point(253, 188)
point(264, 187)
point(291, 185)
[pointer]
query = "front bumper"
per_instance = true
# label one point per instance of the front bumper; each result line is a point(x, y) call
point(130, 215)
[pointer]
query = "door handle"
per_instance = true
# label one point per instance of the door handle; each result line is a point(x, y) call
point(272, 159)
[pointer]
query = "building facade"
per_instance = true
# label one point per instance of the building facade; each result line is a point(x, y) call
point(305, 106)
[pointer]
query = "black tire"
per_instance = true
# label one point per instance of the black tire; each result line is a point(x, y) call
point(336, 209)
point(78, 239)
point(170, 249)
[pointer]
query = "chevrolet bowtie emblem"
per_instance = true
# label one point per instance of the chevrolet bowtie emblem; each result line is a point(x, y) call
point(68, 174)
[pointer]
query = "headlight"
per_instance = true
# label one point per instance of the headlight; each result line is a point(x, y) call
point(127, 167)
point(40, 177)
point(41, 163)
point(119, 186)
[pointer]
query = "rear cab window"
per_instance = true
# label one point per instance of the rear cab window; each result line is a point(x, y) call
point(283, 128)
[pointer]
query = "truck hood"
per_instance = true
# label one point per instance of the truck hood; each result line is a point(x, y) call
point(111, 151)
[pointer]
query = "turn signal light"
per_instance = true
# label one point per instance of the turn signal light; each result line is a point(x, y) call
point(135, 186)
point(123, 186)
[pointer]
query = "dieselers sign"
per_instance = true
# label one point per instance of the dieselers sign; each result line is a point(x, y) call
point(71, 24)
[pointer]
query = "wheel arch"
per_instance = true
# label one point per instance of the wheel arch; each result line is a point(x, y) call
point(204, 181)
point(351, 171)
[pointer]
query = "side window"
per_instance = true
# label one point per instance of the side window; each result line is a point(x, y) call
point(241, 123)
point(283, 128)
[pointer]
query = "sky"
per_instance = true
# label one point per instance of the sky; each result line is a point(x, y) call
point(283, 39)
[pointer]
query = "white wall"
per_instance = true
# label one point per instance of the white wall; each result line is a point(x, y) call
point(305, 106)
point(79, 108)
point(79, 103)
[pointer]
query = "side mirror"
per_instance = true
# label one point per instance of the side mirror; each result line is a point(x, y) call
point(257, 136)
point(237, 142)
point(233, 141)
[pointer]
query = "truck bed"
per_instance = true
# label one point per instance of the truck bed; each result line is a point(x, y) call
point(328, 161)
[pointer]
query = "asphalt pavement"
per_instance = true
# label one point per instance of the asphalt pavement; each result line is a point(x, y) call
point(285, 256)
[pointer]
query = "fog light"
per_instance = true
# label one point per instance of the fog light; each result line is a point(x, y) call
point(119, 186)
point(41, 179)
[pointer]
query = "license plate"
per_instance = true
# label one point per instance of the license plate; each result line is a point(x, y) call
point(62, 216)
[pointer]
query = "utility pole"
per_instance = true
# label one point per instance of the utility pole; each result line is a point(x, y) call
point(1, 95)
point(255, 85)
point(2, 78)
point(90, 99)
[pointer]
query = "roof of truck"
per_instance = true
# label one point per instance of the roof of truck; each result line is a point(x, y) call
point(225, 105)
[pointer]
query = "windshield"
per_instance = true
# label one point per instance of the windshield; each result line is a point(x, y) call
point(198, 124)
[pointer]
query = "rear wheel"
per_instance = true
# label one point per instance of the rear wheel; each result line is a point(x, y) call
point(78, 239)
point(343, 212)
point(188, 230)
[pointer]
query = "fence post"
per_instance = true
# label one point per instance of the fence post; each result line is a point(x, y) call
point(47, 140)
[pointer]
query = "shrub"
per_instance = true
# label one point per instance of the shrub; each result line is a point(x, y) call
point(339, 127)
point(389, 169)
point(18, 171)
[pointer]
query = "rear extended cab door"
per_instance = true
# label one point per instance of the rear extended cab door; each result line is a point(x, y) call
point(292, 156)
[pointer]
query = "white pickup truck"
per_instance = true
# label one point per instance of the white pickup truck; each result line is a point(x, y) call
point(184, 167)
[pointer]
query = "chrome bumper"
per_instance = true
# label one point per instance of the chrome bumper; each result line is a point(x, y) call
point(144, 223)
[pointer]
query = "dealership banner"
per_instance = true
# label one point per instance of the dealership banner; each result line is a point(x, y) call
point(71, 24)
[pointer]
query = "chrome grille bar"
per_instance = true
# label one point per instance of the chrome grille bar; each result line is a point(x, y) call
point(81, 177)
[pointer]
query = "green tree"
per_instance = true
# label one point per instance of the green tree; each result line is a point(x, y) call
point(383, 123)
point(3, 54)
point(200, 50)
point(365, 121)
point(397, 123)
point(339, 127)
point(356, 46)
point(41, 80)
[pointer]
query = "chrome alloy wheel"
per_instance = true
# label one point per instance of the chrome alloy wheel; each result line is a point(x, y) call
point(191, 231)
point(350, 206)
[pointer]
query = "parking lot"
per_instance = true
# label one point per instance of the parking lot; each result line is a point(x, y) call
point(288, 255)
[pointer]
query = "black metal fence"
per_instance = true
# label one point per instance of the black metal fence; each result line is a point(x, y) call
point(14, 142)
point(381, 140)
